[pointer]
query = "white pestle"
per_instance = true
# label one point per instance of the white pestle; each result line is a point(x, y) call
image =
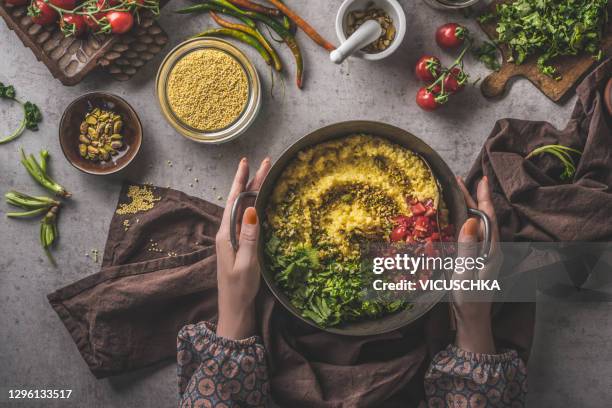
point(366, 34)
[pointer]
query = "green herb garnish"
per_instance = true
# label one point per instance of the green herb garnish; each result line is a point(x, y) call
point(487, 54)
point(563, 153)
point(551, 28)
point(326, 292)
point(31, 114)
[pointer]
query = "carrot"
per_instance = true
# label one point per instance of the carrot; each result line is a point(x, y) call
point(250, 5)
point(311, 32)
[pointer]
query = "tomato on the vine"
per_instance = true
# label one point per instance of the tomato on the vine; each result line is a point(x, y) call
point(119, 21)
point(42, 13)
point(455, 80)
point(64, 4)
point(451, 36)
point(91, 23)
point(427, 68)
point(73, 24)
point(426, 99)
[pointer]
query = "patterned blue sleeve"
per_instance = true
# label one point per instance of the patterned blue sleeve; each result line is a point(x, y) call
point(215, 372)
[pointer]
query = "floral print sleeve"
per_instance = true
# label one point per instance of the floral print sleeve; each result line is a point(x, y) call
point(459, 378)
point(217, 372)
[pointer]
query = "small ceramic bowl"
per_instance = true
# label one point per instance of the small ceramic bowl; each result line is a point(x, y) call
point(69, 132)
point(391, 7)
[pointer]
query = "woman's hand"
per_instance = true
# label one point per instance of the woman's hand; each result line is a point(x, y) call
point(474, 332)
point(238, 273)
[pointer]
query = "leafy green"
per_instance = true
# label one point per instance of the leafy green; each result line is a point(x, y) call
point(31, 114)
point(563, 153)
point(487, 54)
point(327, 292)
point(551, 28)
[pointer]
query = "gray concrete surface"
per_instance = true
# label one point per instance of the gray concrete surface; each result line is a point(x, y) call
point(571, 363)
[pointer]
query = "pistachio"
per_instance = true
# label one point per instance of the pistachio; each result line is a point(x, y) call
point(84, 139)
point(116, 136)
point(117, 126)
point(91, 132)
point(83, 127)
point(92, 150)
point(103, 117)
point(90, 119)
point(83, 150)
point(116, 144)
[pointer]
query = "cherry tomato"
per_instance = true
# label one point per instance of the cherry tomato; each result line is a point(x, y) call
point(42, 13)
point(91, 22)
point(120, 21)
point(16, 2)
point(73, 24)
point(450, 36)
point(427, 68)
point(64, 4)
point(455, 80)
point(104, 4)
point(426, 99)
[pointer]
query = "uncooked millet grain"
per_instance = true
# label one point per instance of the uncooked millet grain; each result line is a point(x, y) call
point(208, 89)
point(142, 199)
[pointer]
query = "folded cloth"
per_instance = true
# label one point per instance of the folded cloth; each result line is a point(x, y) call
point(530, 202)
point(158, 274)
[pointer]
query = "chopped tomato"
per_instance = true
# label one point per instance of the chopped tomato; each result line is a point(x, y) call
point(418, 209)
point(398, 233)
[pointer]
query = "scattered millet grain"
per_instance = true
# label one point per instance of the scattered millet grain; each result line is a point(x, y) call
point(208, 89)
point(142, 197)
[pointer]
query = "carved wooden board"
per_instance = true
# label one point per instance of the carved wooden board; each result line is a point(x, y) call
point(70, 59)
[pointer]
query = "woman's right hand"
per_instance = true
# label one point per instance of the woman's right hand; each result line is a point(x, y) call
point(473, 317)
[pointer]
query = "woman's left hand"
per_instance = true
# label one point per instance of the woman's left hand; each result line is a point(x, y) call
point(238, 273)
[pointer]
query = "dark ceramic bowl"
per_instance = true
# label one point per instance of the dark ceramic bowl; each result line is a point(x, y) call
point(608, 96)
point(69, 132)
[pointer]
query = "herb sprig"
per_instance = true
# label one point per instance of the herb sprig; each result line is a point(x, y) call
point(31, 114)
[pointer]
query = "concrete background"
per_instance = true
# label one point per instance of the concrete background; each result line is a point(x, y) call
point(570, 364)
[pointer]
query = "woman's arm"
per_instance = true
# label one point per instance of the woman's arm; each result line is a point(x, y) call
point(472, 372)
point(224, 365)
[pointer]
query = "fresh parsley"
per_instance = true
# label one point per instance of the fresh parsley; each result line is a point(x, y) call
point(31, 114)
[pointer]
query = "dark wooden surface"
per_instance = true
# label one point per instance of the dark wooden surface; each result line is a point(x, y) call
point(571, 68)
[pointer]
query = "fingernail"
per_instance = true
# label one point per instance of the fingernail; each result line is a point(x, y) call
point(267, 159)
point(471, 227)
point(485, 179)
point(459, 179)
point(250, 216)
point(243, 160)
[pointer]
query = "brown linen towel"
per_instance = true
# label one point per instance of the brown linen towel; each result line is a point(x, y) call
point(127, 316)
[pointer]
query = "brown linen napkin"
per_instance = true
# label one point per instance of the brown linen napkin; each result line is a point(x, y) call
point(160, 274)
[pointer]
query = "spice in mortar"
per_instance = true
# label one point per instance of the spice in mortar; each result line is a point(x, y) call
point(357, 17)
point(208, 89)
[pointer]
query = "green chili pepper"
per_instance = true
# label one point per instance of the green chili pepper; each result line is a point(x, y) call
point(200, 8)
point(254, 33)
point(240, 36)
point(288, 38)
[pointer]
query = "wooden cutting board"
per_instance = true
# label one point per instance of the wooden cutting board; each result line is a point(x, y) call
point(572, 68)
point(70, 59)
